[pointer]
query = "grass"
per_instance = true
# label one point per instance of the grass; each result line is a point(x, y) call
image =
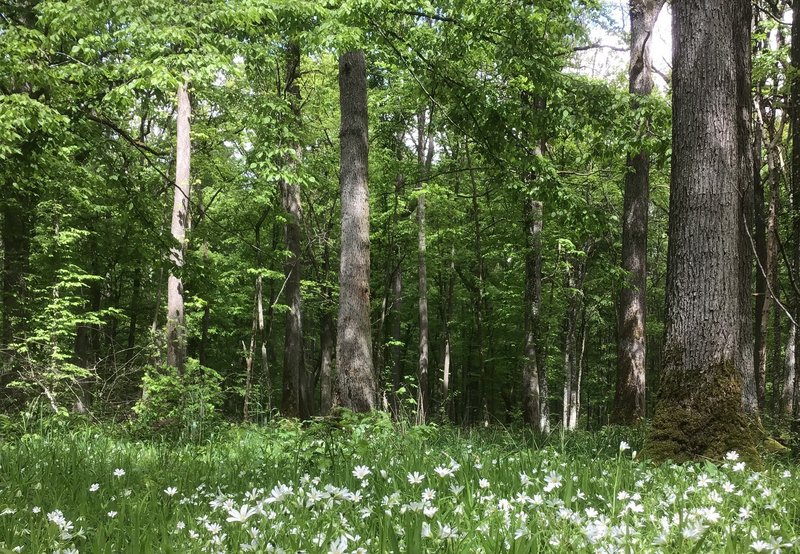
point(366, 486)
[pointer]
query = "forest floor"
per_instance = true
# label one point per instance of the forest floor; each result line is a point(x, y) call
point(367, 486)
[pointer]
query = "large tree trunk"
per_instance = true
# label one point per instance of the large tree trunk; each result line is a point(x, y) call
point(795, 176)
point(176, 323)
point(355, 379)
point(706, 356)
point(532, 368)
point(629, 400)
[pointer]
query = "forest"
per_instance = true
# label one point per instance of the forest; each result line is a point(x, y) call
point(351, 276)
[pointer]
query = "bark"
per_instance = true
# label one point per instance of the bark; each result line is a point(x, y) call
point(532, 368)
point(572, 354)
point(355, 379)
point(424, 161)
point(396, 349)
point(795, 189)
point(293, 362)
point(787, 394)
point(629, 400)
point(176, 323)
point(396, 286)
point(707, 353)
point(762, 297)
point(292, 404)
point(326, 363)
point(742, 52)
point(447, 312)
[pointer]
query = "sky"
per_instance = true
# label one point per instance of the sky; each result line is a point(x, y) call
point(611, 63)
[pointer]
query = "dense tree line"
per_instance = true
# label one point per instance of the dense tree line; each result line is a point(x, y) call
point(428, 208)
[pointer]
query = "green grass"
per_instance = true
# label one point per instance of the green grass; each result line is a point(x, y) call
point(498, 492)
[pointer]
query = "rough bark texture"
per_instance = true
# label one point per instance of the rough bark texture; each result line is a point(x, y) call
point(293, 355)
point(532, 364)
point(355, 379)
point(762, 298)
point(629, 400)
point(699, 411)
point(795, 114)
point(742, 13)
point(176, 325)
point(789, 376)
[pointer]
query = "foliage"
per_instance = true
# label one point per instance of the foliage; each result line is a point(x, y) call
point(174, 405)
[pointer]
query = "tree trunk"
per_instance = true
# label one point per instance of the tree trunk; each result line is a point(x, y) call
point(355, 379)
point(787, 394)
point(699, 411)
point(795, 177)
point(292, 404)
point(176, 323)
point(629, 400)
point(326, 363)
point(762, 297)
point(572, 355)
point(532, 364)
point(424, 161)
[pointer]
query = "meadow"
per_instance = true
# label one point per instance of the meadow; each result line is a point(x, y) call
point(366, 485)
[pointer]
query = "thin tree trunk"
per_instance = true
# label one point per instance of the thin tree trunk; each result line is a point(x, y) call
point(176, 323)
point(423, 161)
point(572, 356)
point(355, 378)
point(762, 299)
point(789, 367)
point(532, 364)
point(629, 400)
point(294, 378)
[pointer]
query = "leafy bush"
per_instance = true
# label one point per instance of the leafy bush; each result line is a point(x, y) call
point(178, 406)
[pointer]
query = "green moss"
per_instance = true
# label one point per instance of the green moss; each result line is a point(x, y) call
point(699, 417)
point(771, 446)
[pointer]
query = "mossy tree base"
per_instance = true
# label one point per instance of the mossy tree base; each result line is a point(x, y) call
point(699, 416)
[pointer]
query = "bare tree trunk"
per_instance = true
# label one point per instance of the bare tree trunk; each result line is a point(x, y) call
point(532, 365)
point(355, 378)
point(326, 363)
point(423, 161)
point(794, 104)
point(789, 367)
point(447, 311)
point(294, 378)
point(762, 298)
point(629, 400)
point(176, 323)
point(572, 355)
point(707, 350)
point(742, 51)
